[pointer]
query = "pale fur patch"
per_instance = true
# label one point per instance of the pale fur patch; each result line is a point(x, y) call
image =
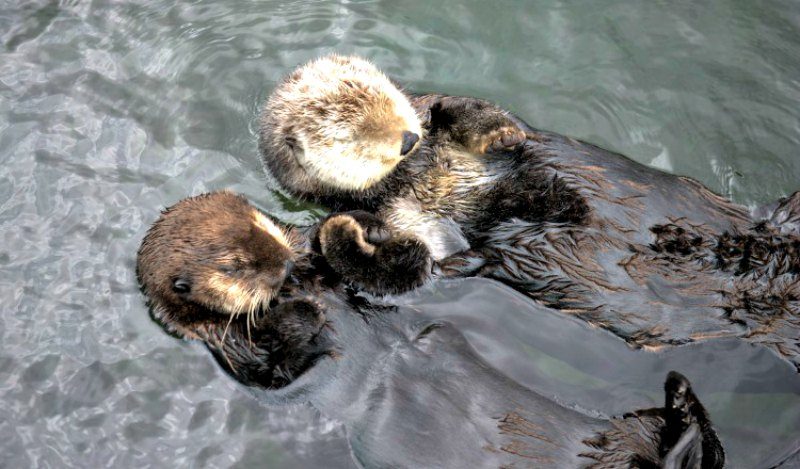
point(235, 299)
point(323, 104)
point(349, 224)
point(271, 228)
point(441, 235)
point(341, 165)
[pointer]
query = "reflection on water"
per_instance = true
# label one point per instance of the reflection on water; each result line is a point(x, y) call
point(112, 110)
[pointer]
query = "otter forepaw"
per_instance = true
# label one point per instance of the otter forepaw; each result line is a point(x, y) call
point(297, 322)
point(375, 230)
point(402, 265)
point(341, 234)
point(503, 138)
point(376, 262)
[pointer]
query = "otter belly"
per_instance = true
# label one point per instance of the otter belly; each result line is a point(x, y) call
point(653, 257)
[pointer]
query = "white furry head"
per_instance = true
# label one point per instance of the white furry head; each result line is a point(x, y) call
point(341, 121)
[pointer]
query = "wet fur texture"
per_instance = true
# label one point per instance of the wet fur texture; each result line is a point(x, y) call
point(214, 268)
point(381, 372)
point(390, 265)
point(337, 105)
point(584, 230)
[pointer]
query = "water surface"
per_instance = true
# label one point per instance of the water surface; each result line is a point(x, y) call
point(111, 110)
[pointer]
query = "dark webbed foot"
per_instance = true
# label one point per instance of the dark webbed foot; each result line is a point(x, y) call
point(687, 451)
point(371, 258)
point(687, 438)
point(678, 435)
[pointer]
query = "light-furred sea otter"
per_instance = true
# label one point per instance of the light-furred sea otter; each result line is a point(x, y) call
point(657, 259)
point(411, 392)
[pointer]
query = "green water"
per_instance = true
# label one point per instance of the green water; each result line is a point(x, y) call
point(110, 111)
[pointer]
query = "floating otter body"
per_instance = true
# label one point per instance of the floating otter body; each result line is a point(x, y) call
point(411, 392)
point(214, 260)
point(657, 259)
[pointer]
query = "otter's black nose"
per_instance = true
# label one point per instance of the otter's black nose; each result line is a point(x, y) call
point(409, 140)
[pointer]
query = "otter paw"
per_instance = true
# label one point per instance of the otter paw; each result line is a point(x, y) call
point(375, 230)
point(342, 233)
point(502, 139)
point(297, 322)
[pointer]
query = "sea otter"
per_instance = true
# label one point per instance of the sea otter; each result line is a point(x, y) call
point(657, 259)
point(411, 392)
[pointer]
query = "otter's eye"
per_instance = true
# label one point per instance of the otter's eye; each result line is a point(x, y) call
point(227, 269)
point(181, 286)
point(232, 267)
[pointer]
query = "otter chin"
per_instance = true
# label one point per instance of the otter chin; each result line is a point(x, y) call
point(337, 122)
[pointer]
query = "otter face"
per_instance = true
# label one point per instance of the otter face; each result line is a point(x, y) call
point(212, 257)
point(340, 122)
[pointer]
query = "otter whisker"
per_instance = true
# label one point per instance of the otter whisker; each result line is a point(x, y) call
point(255, 301)
point(225, 332)
point(228, 360)
point(249, 337)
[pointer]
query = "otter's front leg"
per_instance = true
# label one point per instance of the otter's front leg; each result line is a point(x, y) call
point(476, 125)
point(370, 257)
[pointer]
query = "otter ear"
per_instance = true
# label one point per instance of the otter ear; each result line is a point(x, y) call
point(181, 286)
point(291, 142)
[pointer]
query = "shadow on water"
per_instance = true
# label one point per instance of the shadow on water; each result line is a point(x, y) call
point(111, 110)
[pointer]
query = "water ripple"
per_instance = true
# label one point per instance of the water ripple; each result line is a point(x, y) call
point(112, 110)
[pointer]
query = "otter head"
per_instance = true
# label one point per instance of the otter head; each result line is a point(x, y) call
point(209, 258)
point(336, 123)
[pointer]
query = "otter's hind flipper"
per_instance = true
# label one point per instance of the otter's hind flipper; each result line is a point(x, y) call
point(684, 415)
point(370, 259)
point(678, 435)
point(687, 452)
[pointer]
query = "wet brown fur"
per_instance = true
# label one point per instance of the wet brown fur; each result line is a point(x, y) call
point(201, 236)
point(581, 229)
point(214, 268)
point(210, 267)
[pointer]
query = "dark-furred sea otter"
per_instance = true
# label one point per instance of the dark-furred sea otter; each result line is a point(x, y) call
point(411, 392)
point(657, 259)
